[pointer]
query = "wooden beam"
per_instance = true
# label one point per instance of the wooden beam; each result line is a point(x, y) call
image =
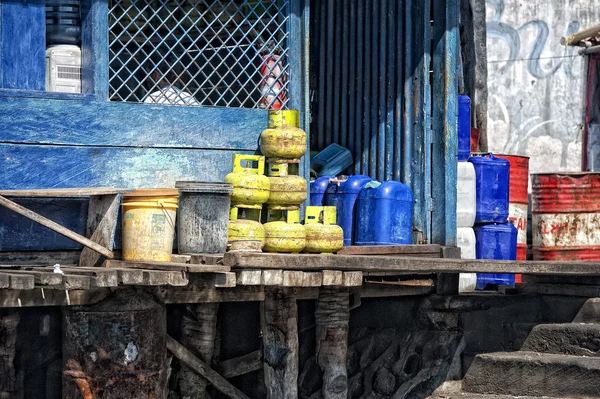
point(352, 279)
point(333, 277)
point(272, 277)
point(55, 227)
point(166, 266)
point(279, 325)
point(198, 332)
point(41, 277)
point(429, 250)
point(99, 277)
point(101, 226)
point(45, 258)
point(209, 295)
point(406, 265)
point(249, 277)
point(332, 316)
point(188, 358)
point(65, 192)
point(45, 297)
point(241, 365)
point(21, 282)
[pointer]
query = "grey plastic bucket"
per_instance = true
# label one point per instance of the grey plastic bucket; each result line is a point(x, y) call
point(203, 217)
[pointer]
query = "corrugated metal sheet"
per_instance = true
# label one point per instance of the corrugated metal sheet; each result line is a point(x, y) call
point(374, 92)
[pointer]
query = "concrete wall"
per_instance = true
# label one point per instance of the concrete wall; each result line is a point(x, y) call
point(535, 104)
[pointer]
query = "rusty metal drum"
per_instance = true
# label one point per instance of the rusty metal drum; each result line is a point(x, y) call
point(115, 349)
point(518, 201)
point(566, 216)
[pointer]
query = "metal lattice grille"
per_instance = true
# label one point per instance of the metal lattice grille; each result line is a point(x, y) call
point(200, 52)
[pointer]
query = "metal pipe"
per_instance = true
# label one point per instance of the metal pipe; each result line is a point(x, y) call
point(579, 36)
point(589, 50)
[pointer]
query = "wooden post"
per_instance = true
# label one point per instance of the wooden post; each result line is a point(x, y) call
point(332, 315)
point(101, 226)
point(199, 328)
point(279, 324)
point(10, 381)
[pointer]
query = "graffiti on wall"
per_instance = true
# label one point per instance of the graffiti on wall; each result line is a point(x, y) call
point(534, 86)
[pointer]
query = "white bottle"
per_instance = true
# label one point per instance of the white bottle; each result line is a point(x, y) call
point(465, 240)
point(465, 195)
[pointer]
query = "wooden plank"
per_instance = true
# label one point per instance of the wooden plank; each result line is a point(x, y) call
point(249, 277)
point(193, 362)
point(130, 276)
point(333, 277)
point(206, 259)
point(241, 365)
point(429, 250)
point(101, 226)
point(27, 166)
point(41, 277)
point(157, 278)
point(312, 279)
point(166, 266)
point(370, 290)
point(21, 282)
point(175, 258)
point(99, 277)
point(65, 192)
point(225, 280)
point(272, 277)
point(110, 124)
point(403, 283)
point(40, 257)
point(45, 297)
point(4, 280)
point(55, 226)
point(293, 278)
point(210, 295)
point(352, 279)
point(74, 282)
point(407, 265)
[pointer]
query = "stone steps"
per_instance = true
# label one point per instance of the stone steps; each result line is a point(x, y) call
point(534, 374)
point(567, 339)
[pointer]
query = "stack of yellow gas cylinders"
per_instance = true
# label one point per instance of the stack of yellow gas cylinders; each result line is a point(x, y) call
point(284, 144)
point(283, 190)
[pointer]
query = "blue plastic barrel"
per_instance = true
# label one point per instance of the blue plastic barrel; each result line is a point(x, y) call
point(63, 22)
point(343, 196)
point(464, 128)
point(384, 214)
point(333, 160)
point(496, 242)
point(492, 182)
point(317, 190)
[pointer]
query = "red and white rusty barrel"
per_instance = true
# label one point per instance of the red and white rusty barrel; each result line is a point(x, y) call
point(518, 199)
point(566, 216)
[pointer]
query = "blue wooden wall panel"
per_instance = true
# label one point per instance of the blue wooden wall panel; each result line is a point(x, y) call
point(23, 50)
point(46, 166)
point(17, 233)
point(33, 120)
point(94, 48)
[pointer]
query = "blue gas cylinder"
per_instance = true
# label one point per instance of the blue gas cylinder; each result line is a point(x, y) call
point(492, 182)
point(496, 242)
point(343, 194)
point(384, 214)
point(317, 190)
point(464, 128)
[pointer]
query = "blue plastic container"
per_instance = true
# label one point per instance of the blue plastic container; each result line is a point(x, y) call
point(384, 214)
point(332, 161)
point(343, 196)
point(318, 189)
point(464, 128)
point(63, 22)
point(496, 242)
point(492, 182)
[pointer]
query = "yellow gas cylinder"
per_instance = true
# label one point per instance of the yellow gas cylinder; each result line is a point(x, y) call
point(322, 235)
point(250, 187)
point(284, 237)
point(285, 117)
point(284, 142)
point(287, 190)
point(245, 235)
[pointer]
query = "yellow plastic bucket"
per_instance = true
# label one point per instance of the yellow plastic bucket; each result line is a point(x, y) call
point(149, 224)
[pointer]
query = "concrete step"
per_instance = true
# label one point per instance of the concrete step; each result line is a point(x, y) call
point(534, 374)
point(567, 339)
